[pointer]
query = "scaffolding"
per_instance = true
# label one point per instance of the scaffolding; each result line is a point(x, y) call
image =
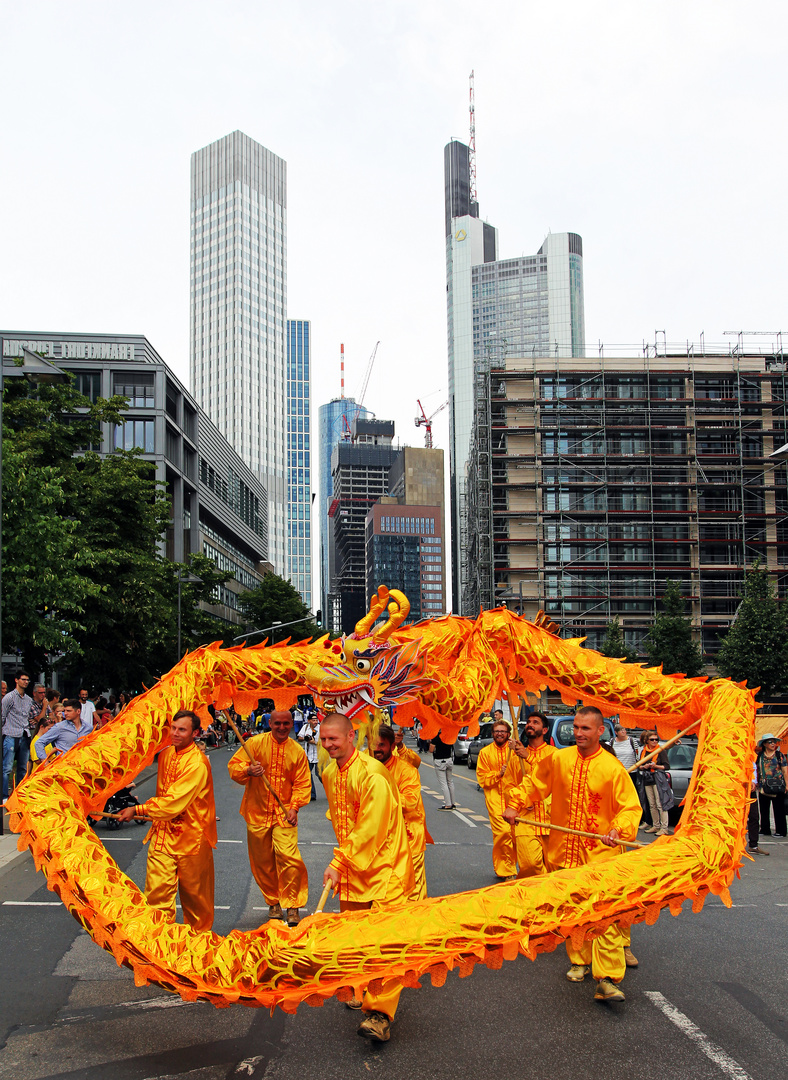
point(593, 484)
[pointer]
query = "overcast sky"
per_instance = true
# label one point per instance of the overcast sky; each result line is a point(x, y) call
point(655, 131)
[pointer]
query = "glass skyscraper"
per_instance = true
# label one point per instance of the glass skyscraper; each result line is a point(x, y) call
point(238, 305)
point(299, 457)
point(334, 418)
point(528, 306)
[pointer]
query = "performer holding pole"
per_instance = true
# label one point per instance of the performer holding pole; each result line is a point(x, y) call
point(275, 774)
point(497, 770)
point(403, 751)
point(590, 791)
point(531, 843)
point(183, 834)
point(409, 787)
point(372, 866)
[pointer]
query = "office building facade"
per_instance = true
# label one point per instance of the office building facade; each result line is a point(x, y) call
point(360, 477)
point(496, 308)
point(299, 457)
point(218, 506)
point(238, 306)
point(404, 550)
point(334, 422)
point(598, 482)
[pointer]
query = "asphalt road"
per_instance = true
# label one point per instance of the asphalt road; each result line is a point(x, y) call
point(708, 1000)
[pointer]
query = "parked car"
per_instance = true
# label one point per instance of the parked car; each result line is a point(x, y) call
point(461, 745)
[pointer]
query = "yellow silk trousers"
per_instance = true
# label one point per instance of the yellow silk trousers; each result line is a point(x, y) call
point(420, 888)
point(530, 853)
point(191, 876)
point(277, 865)
point(605, 954)
point(503, 846)
point(388, 998)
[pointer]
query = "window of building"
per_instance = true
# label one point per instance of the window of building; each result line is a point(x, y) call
point(89, 384)
point(136, 386)
point(135, 435)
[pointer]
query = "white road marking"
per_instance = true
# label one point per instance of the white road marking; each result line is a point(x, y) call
point(781, 905)
point(732, 905)
point(713, 1052)
point(462, 817)
point(323, 843)
point(147, 1003)
point(216, 907)
point(229, 841)
point(247, 1066)
point(32, 903)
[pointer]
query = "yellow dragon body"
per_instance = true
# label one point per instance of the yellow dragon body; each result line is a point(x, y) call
point(444, 672)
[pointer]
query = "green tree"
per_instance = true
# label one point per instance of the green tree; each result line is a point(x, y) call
point(669, 641)
point(276, 600)
point(613, 644)
point(755, 648)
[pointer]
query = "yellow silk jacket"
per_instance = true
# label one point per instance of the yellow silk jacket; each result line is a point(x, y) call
point(287, 771)
point(491, 760)
point(540, 811)
point(595, 794)
point(364, 808)
point(183, 810)
point(406, 754)
point(409, 788)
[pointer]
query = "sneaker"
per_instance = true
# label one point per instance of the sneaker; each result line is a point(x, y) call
point(578, 972)
point(354, 1003)
point(274, 911)
point(606, 990)
point(652, 828)
point(662, 832)
point(757, 851)
point(629, 956)
point(376, 1026)
point(445, 807)
point(293, 918)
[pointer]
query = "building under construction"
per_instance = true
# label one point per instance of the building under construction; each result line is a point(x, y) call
point(592, 483)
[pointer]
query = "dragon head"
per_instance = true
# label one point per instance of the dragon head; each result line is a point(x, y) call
point(371, 671)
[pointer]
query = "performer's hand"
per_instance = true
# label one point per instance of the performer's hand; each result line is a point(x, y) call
point(255, 769)
point(611, 839)
point(292, 817)
point(519, 749)
point(127, 813)
point(509, 815)
point(331, 877)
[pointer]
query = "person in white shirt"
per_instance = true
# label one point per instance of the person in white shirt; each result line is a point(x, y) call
point(86, 708)
point(624, 747)
point(309, 735)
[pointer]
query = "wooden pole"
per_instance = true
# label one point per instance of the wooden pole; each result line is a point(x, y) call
point(654, 753)
point(264, 778)
point(323, 900)
point(115, 817)
point(577, 832)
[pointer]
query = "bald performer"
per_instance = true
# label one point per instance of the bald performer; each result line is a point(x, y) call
point(272, 834)
point(372, 865)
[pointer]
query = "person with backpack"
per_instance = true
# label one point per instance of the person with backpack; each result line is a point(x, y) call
point(772, 769)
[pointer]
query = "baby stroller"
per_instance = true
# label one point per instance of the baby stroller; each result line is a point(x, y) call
point(117, 802)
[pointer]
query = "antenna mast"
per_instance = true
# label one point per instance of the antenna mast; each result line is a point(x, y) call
point(472, 142)
point(342, 369)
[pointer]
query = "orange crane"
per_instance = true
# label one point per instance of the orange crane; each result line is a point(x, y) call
point(426, 422)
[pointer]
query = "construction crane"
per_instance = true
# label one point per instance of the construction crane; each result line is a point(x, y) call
point(367, 374)
point(426, 422)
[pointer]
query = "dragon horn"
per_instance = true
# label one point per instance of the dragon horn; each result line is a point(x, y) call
point(377, 605)
point(398, 613)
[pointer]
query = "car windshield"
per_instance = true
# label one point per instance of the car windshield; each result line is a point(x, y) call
point(564, 732)
point(682, 756)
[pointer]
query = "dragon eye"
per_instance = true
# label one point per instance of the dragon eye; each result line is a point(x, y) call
point(342, 657)
point(363, 665)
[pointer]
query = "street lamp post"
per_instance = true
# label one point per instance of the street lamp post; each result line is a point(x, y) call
point(190, 579)
point(254, 633)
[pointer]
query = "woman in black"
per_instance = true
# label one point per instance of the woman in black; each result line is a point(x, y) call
point(659, 817)
point(772, 769)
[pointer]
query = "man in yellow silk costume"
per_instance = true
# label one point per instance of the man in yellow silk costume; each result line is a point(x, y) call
point(532, 843)
point(272, 836)
point(498, 770)
point(409, 788)
point(372, 865)
point(591, 791)
point(183, 834)
point(403, 751)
